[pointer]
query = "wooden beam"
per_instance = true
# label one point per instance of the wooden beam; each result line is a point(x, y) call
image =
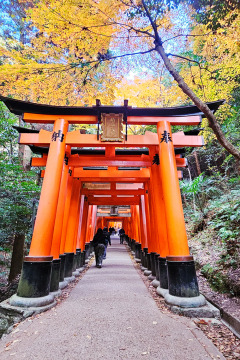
point(132, 120)
point(116, 179)
point(113, 201)
point(85, 191)
point(75, 139)
point(129, 186)
point(96, 160)
point(112, 175)
point(43, 138)
point(119, 186)
point(115, 218)
point(49, 119)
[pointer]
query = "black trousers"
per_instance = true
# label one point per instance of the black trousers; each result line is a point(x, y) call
point(99, 251)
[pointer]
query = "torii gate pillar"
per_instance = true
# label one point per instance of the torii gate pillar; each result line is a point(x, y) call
point(182, 278)
point(36, 272)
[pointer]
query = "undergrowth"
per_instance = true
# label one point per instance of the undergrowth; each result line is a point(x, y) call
point(213, 226)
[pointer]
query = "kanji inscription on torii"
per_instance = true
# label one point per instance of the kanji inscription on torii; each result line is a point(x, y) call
point(112, 127)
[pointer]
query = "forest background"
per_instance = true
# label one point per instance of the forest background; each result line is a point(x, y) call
point(153, 53)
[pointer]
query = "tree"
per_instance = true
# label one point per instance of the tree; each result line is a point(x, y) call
point(211, 12)
point(88, 34)
point(18, 191)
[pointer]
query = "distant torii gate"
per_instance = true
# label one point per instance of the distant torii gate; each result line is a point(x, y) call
point(67, 212)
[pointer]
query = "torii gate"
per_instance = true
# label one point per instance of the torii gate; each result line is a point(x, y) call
point(66, 215)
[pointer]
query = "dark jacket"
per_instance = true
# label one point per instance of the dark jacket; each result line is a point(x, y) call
point(107, 237)
point(99, 238)
point(111, 229)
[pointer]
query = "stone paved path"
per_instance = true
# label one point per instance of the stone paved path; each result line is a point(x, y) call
point(109, 315)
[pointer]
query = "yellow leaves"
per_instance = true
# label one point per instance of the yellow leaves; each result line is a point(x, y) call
point(54, 87)
point(65, 42)
point(68, 38)
point(148, 91)
point(224, 43)
point(72, 27)
point(219, 55)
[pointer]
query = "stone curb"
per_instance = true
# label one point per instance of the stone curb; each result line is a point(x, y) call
point(232, 323)
point(203, 340)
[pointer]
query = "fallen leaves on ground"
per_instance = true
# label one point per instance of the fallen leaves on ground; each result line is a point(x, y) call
point(229, 303)
point(66, 292)
point(225, 341)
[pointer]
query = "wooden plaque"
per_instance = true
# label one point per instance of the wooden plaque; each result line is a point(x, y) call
point(112, 127)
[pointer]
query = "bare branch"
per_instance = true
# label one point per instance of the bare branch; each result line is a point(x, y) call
point(190, 60)
point(187, 35)
point(129, 54)
point(154, 26)
point(184, 58)
point(129, 27)
point(87, 63)
point(132, 5)
point(113, 36)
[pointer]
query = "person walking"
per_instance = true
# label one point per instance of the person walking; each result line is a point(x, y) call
point(121, 233)
point(107, 241)
point(99, 247)
point(111, 229)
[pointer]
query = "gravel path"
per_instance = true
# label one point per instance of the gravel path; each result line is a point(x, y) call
point(108, 315)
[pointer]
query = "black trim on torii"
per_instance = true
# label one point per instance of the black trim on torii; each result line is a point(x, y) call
point(44, 150)
point(23, 130)
point(18, 107)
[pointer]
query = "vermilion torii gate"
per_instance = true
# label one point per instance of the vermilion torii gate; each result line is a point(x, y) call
point(67, 213)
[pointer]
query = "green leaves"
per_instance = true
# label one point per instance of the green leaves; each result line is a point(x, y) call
point(211, 12)
point(194, 186)
point(18, 189)
point(226, 220)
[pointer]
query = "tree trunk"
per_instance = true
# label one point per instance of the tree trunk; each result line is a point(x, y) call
point(17, 256)
point(197, 163)
point(238, 167)
point(213, 123)
point(24, 153)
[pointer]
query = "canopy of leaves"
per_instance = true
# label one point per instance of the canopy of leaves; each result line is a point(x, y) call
point(210, 66)
point(67, 58)
point(211, 12)
point(62, 55)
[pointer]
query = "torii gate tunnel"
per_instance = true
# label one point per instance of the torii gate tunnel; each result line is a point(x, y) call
point(87, 174)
